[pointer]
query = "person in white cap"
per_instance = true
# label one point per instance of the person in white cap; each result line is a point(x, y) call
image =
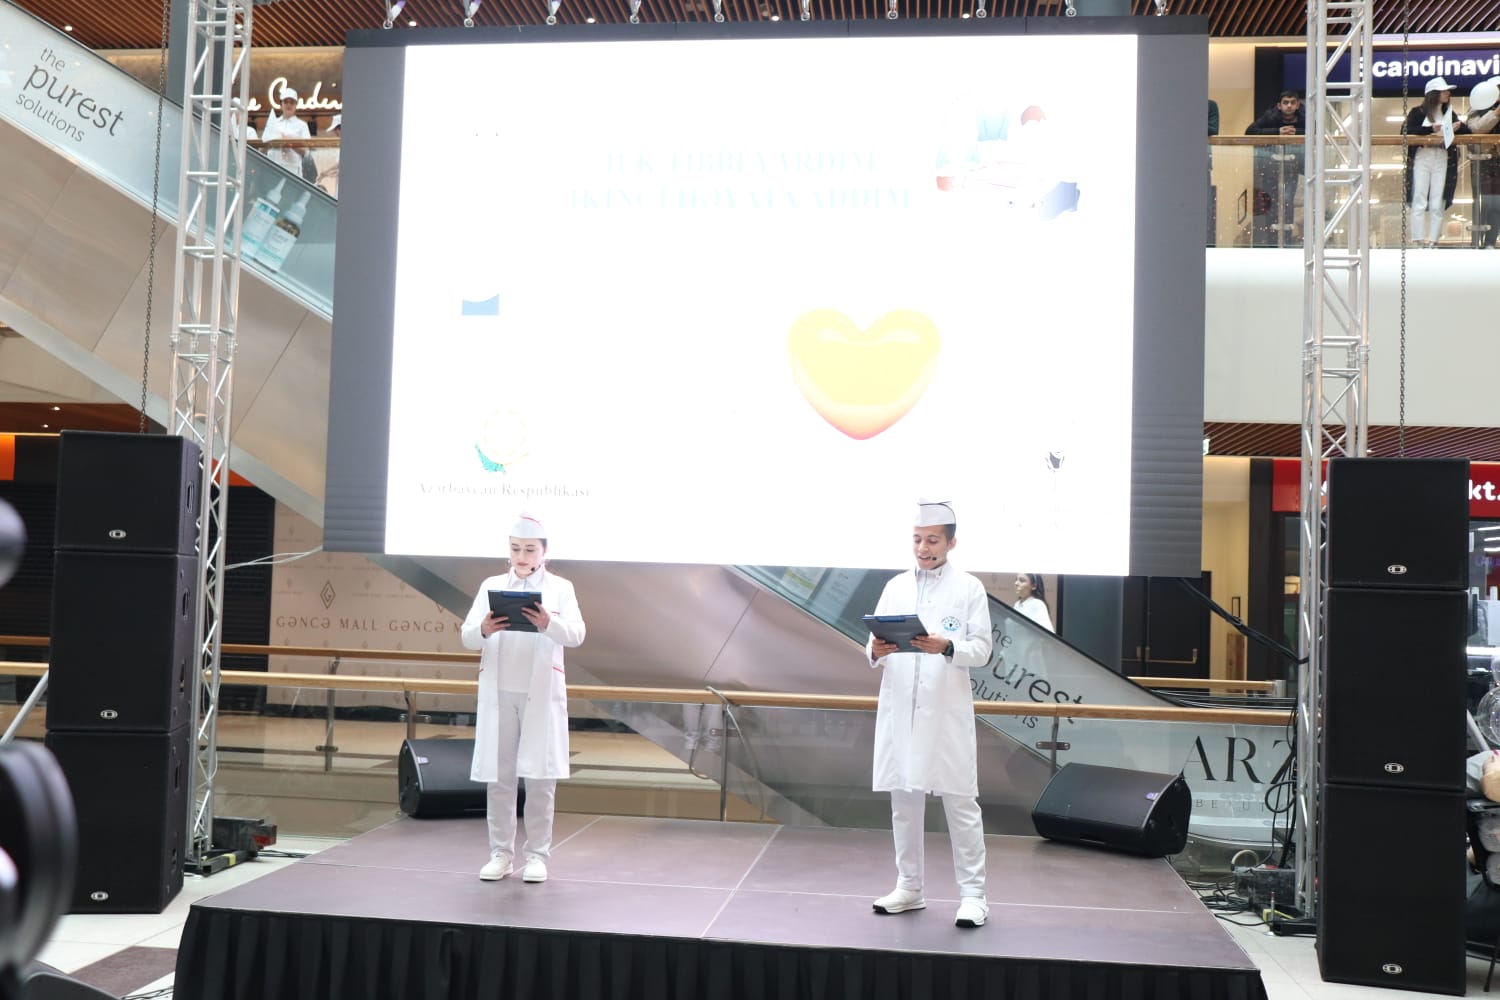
point(1431, 168)
point(521, 727)
point(286, 125)
point(924, 722)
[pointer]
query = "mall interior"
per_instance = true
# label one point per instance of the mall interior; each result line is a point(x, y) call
point(660, 740)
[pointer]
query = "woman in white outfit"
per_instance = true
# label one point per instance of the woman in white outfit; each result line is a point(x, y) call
point(924, 720)
point(521, 728)
point(1432, 169)
point(1031, 600)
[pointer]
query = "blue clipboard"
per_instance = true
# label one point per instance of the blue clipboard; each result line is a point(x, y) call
point(900, 629)
point(508, 603)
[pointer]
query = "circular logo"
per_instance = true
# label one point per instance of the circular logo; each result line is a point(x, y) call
point(950, 624)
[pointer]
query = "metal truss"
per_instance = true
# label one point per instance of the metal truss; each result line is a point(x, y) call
point(207, 311)
point(1335, 351)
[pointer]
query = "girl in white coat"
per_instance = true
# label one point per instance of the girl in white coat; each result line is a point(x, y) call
point(521, 729)
point(1031, 600)
point(924, 722)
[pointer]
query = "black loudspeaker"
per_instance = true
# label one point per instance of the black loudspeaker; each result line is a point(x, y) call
point(433, 778)
point(1394, 688)
point(1398, 522)
point(1136, 811)
point(1391, 888)
point(122, 641)
point(127, 492)
point(130, 794)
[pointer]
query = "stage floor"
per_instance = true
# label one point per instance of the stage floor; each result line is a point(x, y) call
point(400, 911)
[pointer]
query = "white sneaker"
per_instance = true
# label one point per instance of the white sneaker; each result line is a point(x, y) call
point(499, 866)
point(900, 900)
point(972, 912)
point(535, 870)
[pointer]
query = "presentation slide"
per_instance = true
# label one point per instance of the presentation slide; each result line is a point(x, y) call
point(744, 301)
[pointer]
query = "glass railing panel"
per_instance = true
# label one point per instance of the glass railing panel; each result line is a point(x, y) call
point(95, 114)
point(1258, 193)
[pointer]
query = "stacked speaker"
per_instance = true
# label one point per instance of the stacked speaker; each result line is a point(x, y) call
point(1391, 868)
point(119, 695)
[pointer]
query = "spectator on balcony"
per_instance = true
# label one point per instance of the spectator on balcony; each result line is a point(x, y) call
point(327, 159)
point(1278, 171)
point(286, 125)
point(1483, 120)
point(1431, 169)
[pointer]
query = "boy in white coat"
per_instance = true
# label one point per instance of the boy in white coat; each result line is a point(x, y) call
point(924, 724)
point(521, 728)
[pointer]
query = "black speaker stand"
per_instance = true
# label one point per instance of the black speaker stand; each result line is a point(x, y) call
point(217, 861)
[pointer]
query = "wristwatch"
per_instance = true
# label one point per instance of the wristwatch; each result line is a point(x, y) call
point(949, 651)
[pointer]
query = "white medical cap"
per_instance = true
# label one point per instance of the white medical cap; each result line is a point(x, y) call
point(527, 526)
point(934, 512)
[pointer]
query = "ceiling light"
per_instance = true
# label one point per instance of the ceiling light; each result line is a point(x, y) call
point(45, 426)
point(67, 27)
point(964, 15)
point(588, 20)
point(411, 24)
point(775, 17)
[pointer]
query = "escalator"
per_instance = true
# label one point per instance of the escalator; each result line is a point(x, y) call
point(74, 271)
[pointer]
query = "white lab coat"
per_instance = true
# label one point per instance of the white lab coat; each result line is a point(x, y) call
point(1036, 609)
point(278, 127)
point(924, 725)
point(544, 725)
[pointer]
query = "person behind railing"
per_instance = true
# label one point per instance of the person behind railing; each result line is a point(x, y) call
point(1484, 119)
point(521, 726)
point(1432, 171)
point(1031, 600)
point(924, 719)
point(1213, 205)
point(326, 158)
point(286, 125)
point(1278, 171)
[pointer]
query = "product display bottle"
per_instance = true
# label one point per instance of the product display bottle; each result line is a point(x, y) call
point(283, 236)
point(258, 222)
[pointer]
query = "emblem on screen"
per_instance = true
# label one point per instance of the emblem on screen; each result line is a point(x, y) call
point(862, 381)
point(502, 440)
point(481, 307)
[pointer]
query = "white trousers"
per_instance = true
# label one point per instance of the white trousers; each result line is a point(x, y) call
point(500, 796)
point(965, 831)
point(1429, 170)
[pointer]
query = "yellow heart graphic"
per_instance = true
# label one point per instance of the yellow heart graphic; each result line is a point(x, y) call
point(863, 381)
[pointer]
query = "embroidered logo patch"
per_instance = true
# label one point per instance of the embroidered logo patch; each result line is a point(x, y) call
point(950, 624)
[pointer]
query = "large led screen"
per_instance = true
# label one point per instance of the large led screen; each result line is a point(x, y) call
point(743, 300)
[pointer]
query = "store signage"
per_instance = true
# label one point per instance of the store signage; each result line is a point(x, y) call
point(1462, 67)
point(309, 99)
point(1484, 488)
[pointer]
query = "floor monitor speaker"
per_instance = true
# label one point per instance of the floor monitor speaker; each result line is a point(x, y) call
point(1395, 688)
point(130, 795)
point(1398, 522)
point(1136, 811)
point(122, 641)
point(1391, 888)
point(433, 777)
point(127, 492)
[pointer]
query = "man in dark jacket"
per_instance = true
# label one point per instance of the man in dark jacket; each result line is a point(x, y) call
point(1278, 172)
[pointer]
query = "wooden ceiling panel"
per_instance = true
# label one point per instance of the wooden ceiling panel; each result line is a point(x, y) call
point(136, 24)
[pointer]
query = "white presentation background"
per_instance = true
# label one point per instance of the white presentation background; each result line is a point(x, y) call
point(657, 237)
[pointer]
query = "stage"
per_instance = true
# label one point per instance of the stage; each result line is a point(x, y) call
point(658, 909)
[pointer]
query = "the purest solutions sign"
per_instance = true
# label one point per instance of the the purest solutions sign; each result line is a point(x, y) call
point(73, 101)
